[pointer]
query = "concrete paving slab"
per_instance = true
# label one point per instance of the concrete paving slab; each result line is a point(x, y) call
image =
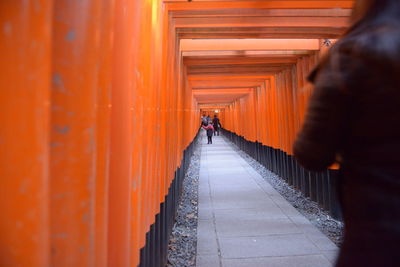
point(254, 227)
point(233, 203)
point(331, 256)
point(236, 191)
point(204, 202)
point(235, 179)
point(294, 261)
point(204, 190)
point(211, 165)
point(224, 153)
point(208, 261)
point(205, 213)
point(266, 246)
point(206, 238)
point(268, 211)
point(227, 172)
point(216, 158)
point(314, 234)
point(285, 206)
point(220, 167)
point(224, 201)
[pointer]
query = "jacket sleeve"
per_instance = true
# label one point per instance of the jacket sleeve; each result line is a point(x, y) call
point(325, 123)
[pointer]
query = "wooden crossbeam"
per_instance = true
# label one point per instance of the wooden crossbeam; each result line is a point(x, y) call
point(238, 60)
point(217, 22)
point(258, 12)
point(247, 53)
point(227, 83)
point(249, 44)
point(174, 5)
point(231, 91)
point(213, 77)
point(239, 69)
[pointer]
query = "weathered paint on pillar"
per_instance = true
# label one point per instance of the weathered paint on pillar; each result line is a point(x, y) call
point(75, 80)
point(122, 120)
point(103, 116)
point(25, 39)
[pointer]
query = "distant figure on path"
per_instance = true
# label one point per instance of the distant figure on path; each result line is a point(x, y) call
point(216, 125)
point(208, 119)
point(204, 121)
point(209, 129)
point(354, 118)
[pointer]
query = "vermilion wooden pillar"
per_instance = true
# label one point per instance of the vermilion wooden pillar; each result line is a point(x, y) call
point(75, 85)
point(136, 170)
point(120, 185)
point(103, 114)
point(25, 38)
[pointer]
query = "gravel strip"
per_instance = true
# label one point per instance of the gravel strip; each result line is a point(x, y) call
point(183, 240)
point(320, 218)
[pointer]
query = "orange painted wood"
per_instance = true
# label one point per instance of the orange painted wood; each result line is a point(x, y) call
point(238, 60)
point(249, 44)
point(120, 185)
point(103, 121)
point(201, 5)
point(76, 50)
point(263, 12)
point(25, 71)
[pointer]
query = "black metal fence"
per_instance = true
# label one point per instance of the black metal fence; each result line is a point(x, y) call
point(320, 187)
point(154, 253)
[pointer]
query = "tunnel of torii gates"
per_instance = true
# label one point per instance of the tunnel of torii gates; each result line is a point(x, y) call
point(101, 102)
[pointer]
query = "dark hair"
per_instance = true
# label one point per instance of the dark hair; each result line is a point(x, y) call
point(377, 13)
point(380, 16)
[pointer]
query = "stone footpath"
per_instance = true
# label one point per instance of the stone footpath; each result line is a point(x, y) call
point(243, 221)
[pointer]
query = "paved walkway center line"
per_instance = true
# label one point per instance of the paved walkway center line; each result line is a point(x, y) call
point(243, 221)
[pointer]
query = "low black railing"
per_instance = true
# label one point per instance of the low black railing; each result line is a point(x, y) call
point(320, 187)
point(154, 253)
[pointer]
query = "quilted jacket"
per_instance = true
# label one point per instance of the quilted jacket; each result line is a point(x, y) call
point(354, 118)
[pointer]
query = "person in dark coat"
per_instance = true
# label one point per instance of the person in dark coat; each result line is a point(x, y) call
point(354, 118)
point(204, 120)
point(209, 129)
point(216, 125)
point(208, 119)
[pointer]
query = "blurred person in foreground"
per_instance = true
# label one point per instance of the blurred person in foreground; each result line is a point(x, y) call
point(354, 118)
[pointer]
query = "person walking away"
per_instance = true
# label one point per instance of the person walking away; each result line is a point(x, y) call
point(204, 120)
point(354, 116)
point(209, 129)
point(216, 125)
point(208, 119)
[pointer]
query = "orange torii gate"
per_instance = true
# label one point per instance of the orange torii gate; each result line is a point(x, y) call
point(89, 165)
